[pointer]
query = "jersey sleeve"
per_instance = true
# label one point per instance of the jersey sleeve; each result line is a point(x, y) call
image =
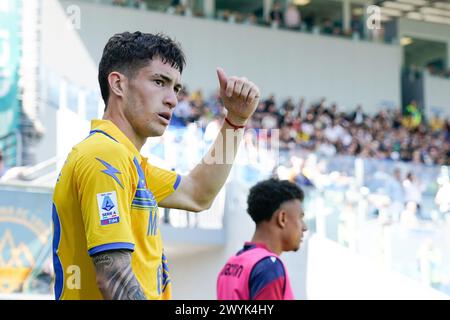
point(162, 183)
point(104, 182)
point(267, 280)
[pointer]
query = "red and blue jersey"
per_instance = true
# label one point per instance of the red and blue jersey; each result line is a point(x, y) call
point(254, 273)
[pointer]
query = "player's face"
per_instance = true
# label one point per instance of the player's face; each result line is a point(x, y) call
point(151, 97)
point(295, 226)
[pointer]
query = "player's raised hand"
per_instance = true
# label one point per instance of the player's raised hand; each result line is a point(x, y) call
point(240, 97)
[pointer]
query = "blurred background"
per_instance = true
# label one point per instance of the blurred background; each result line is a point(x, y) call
point(355, 109)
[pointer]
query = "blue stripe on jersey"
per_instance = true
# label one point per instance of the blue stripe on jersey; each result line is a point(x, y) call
point(59, 274)
point(263, 273)
point(165, 273)
point(140, 172)
point(245, 248)
point(165, 285)
point(177, 182)
point(146, 203)
point(101, 131)
point(143, 197)
point(111, 246)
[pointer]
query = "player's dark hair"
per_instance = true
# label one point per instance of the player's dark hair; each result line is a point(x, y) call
point(267, 196)
point(128, 52)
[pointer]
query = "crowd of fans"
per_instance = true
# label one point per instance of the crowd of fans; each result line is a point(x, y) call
point(138, 4)
point(415, 72)
point(289, 17)
point(440, 72)
point(324, 129)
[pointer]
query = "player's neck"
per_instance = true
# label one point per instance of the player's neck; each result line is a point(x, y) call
point(264, 236)
point(122, 123)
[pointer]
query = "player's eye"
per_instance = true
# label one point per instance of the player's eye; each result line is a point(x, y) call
point(159, 82)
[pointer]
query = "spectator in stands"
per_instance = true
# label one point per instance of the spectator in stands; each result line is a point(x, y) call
point(397, 119)
point(396, 194)
point(325, 147)
point(436, 123)
point(337, 28)
point(413, 192)
point(287, 141)
point(288, 105)
point(358, 117)
point(327, 27)
point(334, 132)
point(271, 117)
point(276, 18)
point(183, 109)
point(417, 157)
point(356, 26)
point(121, 3)
point(251, 19)
point(176, 7)
point(299, 174)
point(292, 17)
point(140, 4)
point(412, 116)
point(309, 21)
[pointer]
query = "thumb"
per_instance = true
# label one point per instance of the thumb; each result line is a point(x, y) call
point(222, 79)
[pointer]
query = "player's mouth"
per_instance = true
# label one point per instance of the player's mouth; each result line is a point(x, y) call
point(165, 117)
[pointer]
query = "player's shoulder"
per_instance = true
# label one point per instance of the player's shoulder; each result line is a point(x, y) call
point(102, 147)
point(267, 273)
point(268, 264)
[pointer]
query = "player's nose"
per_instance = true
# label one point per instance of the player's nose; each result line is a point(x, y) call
point(171, 99)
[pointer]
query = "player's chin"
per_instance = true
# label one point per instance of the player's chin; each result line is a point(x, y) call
point(156, 130)
point(295, 247)
point(298, 245)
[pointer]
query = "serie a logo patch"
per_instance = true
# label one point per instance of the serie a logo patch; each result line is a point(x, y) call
point(108, 208)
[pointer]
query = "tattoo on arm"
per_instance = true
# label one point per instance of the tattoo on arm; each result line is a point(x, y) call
point(115, 277)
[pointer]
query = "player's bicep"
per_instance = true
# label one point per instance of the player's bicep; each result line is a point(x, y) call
point(183, 197)
point(172, 190)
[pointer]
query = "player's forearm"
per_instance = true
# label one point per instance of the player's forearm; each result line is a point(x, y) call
point(115, 277)
point(240, 97)
point(212, 172)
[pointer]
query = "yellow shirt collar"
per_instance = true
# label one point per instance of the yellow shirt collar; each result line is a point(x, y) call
point(113, 131)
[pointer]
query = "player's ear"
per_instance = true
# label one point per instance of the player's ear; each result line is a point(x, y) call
point(116, 83)
point(280, 216)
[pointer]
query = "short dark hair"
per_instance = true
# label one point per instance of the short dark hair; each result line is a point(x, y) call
point(128, 52)
point(267, 196)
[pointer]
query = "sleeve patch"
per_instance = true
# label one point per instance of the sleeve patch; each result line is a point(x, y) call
point(108, 208)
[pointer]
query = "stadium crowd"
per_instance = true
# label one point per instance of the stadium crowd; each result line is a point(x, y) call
point(284, 17)
point(323, 128)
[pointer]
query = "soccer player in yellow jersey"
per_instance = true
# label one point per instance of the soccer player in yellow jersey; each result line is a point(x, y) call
point(106, 240)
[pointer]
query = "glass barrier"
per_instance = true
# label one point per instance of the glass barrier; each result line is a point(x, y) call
point(395, 213)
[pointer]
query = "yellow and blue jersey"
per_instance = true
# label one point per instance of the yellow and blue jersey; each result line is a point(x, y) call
point(106, 198)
